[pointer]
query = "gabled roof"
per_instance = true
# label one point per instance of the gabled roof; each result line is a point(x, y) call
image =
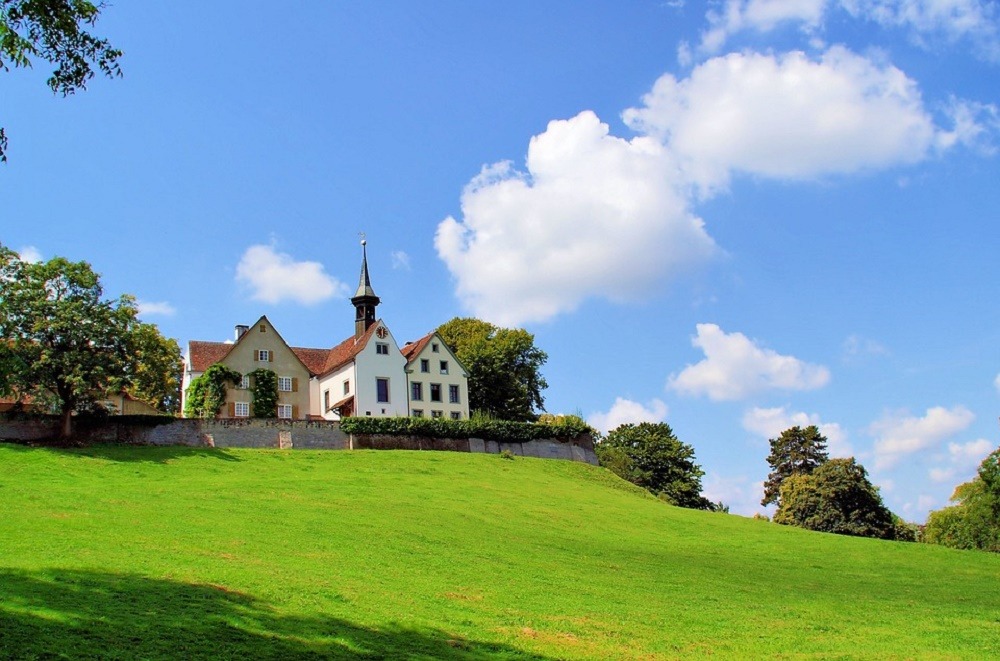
point(313, 359)
point(345, 352)
point(203, 355)
point(411, 350)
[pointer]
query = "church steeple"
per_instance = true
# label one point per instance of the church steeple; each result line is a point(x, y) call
point(364, 299)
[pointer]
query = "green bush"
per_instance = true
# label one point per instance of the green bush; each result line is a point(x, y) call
point(488, 429)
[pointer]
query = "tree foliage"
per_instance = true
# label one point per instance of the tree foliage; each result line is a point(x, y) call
point(207, 393)
point(796, 451)
point(264, 393)
point(650, 456)
point(156, 368)
point(835, 497)
point(973, 522)
point(53, 30)
point(62, 341)
point(504, 367)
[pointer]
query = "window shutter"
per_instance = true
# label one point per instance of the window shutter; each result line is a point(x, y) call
point(270, 356)
point(295, 384)
point(232, 409)
point(256, 355)
point(295, 412)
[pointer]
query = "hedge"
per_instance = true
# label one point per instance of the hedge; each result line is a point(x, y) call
point(492, 430)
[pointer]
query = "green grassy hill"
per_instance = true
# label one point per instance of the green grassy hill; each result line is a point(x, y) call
point(184, 553)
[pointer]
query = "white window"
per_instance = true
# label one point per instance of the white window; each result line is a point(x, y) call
point(453, 394)
point(455, 415)
point(263, 356)
point(437, 414)
point(245, 382)
point(382, 391)
point(425, 365)
point(418, 413)
point(285, 411)
point(285, 383)
point(435, 392)
point(242, 410)
point(382, 348)
point(444, 366)
point(416, 391)
point(434, 347)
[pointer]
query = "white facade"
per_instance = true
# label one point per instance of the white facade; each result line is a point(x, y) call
point(438, 384)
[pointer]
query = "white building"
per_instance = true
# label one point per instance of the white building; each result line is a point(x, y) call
point(366, 375)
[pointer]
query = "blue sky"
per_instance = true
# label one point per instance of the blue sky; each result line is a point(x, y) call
point(732, 216)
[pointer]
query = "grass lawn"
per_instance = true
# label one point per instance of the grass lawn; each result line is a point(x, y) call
point(114, 552)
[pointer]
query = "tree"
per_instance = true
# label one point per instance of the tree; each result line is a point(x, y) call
point(650, 456)
point(156, 368)
point(52, 30)
point(835, 497)
point(207, 393)
point(973, 522)
point(504, 367)
point(60, 339)
point(796, 451)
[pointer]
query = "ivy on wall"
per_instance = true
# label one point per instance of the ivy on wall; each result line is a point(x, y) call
point(264, 393)
point(207, 393)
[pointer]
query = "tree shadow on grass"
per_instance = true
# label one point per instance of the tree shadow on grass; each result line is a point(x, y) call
point(89, 615)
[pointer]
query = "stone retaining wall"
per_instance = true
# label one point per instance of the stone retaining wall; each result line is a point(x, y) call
point(284, 434)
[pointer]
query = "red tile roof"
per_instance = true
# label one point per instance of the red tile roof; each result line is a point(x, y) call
point(410, 350)
point(313, 359)
point(345, 352)
point(203, 355)
point(317, 361)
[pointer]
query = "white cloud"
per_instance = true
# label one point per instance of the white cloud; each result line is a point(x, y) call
point(770, 422)
point(625, 411)
point(963, 458)
point(738, 492)
point(30, 254)
point(898, 435)
point(974, 21)
point(400, 260)
point(856, 347)
point(736, 367)
point(274, 277)
point(787, 117)
point(927, 21)
point(759, 15)
point(592, 216)
point(153, 308)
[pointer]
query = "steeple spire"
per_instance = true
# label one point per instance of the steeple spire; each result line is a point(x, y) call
point(364, 299)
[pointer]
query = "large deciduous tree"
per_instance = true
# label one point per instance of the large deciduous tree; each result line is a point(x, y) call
point(835, 497)
point(504, 367)
point(54, 30)
point(651, 456)
point(973, 522)
point(796, 451)
point(155, 369)
point(62, 342)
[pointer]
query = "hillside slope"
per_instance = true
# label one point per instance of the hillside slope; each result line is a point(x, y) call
point(178, 552)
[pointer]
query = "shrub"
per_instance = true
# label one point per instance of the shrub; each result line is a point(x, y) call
point(477, 427)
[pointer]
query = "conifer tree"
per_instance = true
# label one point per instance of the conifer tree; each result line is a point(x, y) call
point(796, 451)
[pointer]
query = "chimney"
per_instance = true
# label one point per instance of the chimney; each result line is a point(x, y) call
point(241, 331)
